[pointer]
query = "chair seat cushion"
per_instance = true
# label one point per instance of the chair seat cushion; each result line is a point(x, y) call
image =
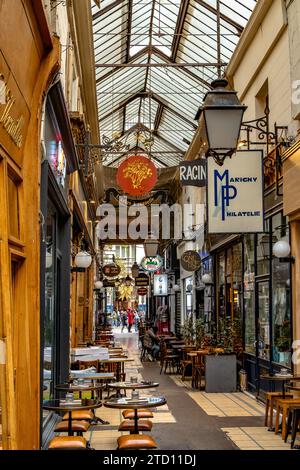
point(68, 442)
point(136, 441)
point(129, 414)
point(77, 426)
point(80, 414)
point(143, 425)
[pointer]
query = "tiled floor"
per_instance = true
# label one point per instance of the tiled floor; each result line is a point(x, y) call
point(190, 419)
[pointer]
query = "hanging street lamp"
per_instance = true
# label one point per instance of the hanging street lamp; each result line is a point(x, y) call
point(220, 120)
point(83, 259)
point(151, 246)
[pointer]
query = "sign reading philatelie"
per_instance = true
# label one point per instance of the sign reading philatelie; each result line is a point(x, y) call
point(193, 173)
point(190, 260)
point(235, 193)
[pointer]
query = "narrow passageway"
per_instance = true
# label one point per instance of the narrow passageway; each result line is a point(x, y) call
point(190, 419)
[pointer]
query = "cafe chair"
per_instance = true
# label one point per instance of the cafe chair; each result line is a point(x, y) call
point(68, 443)
point(77, 426)
point(142, 414)
point(136, 442)
point(292, 424)
point(167, 359)
point(270, 405)
point(128, 425)
point(283, 405)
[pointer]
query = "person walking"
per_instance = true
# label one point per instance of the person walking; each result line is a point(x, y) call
point(123, 320)
point(130, 319)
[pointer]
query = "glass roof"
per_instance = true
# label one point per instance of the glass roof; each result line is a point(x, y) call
point(155, 60)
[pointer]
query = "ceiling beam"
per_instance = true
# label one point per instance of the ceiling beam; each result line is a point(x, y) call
point(226, 18)
point(184, 6)
point(176, 149)
point(129, 22)
point(105, 10)
point(121, 105)
point(158, 116)
point(143, 52)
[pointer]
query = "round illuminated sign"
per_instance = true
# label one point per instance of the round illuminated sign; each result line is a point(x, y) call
point(151, 263)
point(137, 175)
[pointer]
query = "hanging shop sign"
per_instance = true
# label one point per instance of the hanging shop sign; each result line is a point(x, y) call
point(151, 263)
point(142, 280)
point(160, 284)
point(137, 175)
point(193, 173)
point(190, 260)
point(108, 283)
point(235, 193)
point(142, 291)
point(111, 270)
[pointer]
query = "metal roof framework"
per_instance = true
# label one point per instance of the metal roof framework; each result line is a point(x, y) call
point(155, 60)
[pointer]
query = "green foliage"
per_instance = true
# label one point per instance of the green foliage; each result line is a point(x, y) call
point(188, 329)
point(228, 335)
point(282, 336)
point(199, 332)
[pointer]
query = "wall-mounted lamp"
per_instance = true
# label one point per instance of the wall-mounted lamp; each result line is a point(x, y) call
point(282, 250)
point(98, 285)
point(206, 279)
point(176, 288)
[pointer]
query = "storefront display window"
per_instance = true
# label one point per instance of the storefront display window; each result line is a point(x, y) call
point(281, 297)
point(263, 251)
point(263, 293)
point(249, 293)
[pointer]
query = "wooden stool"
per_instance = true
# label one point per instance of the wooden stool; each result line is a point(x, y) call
point(136, 441)
point(283, 404)
point(143, 425)
point(86, 415)
point(77, 426)
point(129, 414)
point(271, 396)
point(68, 443)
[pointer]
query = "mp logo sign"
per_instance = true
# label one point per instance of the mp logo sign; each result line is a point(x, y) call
point(235, 193)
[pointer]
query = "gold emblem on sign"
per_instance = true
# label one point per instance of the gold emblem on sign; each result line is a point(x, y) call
point(12, 126)
point(137, 172)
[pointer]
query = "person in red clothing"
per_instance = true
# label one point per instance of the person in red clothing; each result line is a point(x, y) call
point(130, 319)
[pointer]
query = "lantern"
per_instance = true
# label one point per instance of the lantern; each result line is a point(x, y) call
point(221, 119)
point(83, 259)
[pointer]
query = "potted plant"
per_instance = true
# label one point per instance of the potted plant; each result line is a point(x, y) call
point(199, 332)
point(188, 330)
point(221, 365)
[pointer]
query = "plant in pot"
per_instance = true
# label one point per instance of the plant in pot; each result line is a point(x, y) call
point(282, 341)
point(221, 367)
point(188, 329)
point(200, 333)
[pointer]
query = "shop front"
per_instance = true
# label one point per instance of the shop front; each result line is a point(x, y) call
point(59, 161)
point(253, 289)
point(27, 67)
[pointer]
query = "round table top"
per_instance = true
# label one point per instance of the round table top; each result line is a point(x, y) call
point(93, 375)
point(78, 387)
point(278, 377)
point(133, 386)
point(83, 404)
point(135, 403)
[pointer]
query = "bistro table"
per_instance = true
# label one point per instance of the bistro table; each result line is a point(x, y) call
point(131, 386)
point(135, 404)
point(82, 387)
point(277, 377)
point(60, 405)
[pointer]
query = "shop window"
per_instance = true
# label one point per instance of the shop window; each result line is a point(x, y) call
point(263, 292)
point(281, 297)
point(263, 251)
point(13, 207)
point(249, 293)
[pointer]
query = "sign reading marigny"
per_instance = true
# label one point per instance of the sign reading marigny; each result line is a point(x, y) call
point(235, 193)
